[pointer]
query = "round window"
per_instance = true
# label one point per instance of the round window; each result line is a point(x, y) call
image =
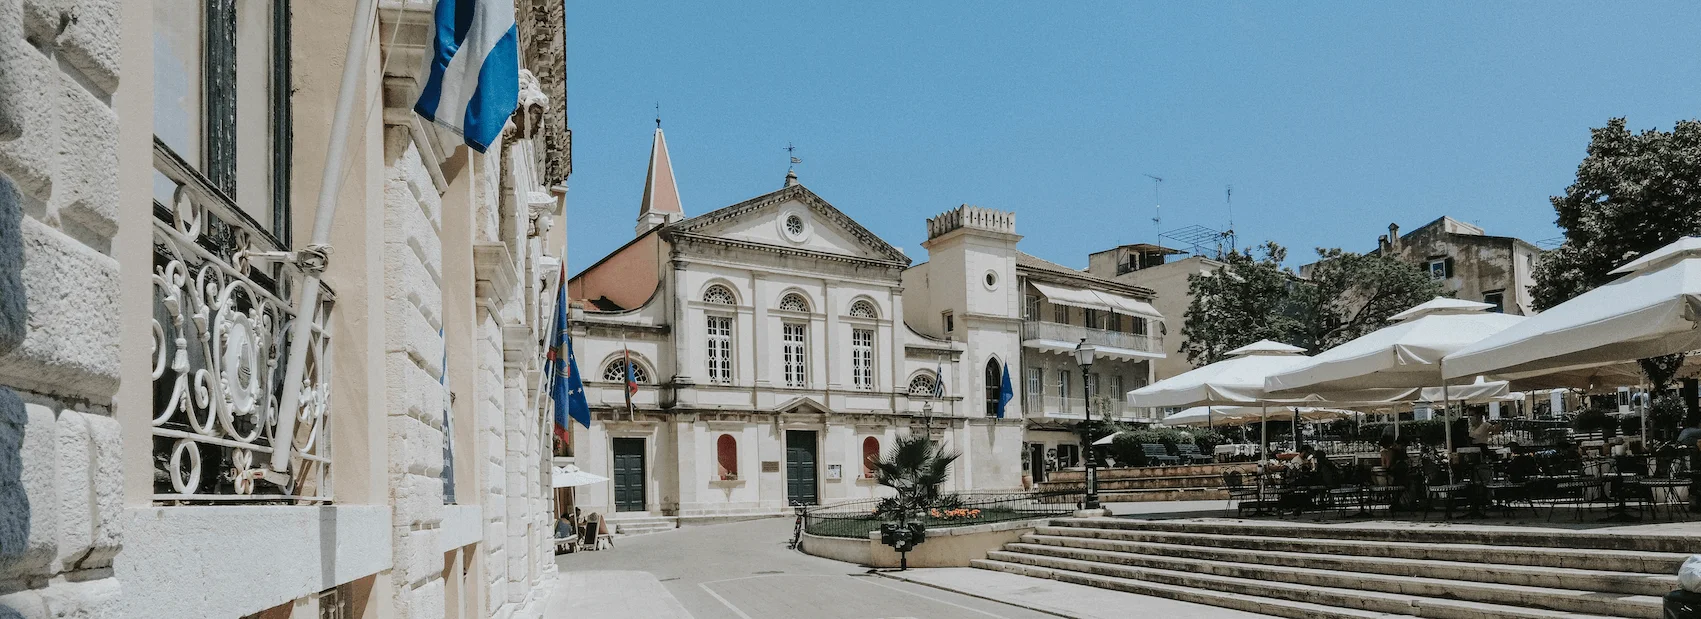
point(991, 279)
point(794, 225)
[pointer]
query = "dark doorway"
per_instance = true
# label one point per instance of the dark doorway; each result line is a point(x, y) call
point(800, 467)
point(628, 474)
point(1036, 461)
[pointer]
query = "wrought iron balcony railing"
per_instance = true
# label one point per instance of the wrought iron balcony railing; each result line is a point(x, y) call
point(222, 311)
point(1043, 330)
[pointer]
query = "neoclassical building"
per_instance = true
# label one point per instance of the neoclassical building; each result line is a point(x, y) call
point(778, 345)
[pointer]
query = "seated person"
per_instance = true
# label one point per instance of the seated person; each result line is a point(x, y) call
point(1481, 430)
point(1522, 466)
point(1323, 470)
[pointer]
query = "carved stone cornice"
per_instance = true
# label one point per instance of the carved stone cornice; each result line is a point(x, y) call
point(806, 197)
point(493, 272)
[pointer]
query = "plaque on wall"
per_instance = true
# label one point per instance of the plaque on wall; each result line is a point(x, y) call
point(770, 466)
point(835, 471)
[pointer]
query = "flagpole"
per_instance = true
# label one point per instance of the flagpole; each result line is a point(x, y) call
point(313, 258)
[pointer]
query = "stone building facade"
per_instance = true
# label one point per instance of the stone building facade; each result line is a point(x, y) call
point(1470, 263)
point(147, 465)
point(1164, 271)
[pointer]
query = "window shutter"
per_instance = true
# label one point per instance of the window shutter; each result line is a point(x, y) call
point(1448, 266)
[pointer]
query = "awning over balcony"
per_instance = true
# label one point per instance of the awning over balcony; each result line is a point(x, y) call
point(1062, 347)
point(1097, 300)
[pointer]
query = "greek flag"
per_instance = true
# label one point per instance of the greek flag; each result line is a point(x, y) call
point(474, 82)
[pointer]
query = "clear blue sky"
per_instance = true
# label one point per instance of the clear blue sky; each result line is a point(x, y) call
point(1330, 120)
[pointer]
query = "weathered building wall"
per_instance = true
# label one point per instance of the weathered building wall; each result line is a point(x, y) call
point(61, 474)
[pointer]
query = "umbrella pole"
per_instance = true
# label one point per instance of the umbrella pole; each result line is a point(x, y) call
point(1296, 428)
point(1447, 421)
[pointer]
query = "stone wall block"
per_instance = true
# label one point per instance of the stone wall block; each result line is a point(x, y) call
point(86, 181)
point(415, 556)
point(411, 390)
point(75, 463)
point(89, 41)
point(31, 506)
point(14, 502)
point(92, 599)
point(407, 278)
point(25, 604)
point(27, 113)
point(418, 499)
point(415, 448)
point(14, 311)
point(107, 488)
point(430, 598)
point(71, 346)
point(407, 331)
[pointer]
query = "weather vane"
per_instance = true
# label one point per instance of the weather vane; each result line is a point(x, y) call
point(791, 151)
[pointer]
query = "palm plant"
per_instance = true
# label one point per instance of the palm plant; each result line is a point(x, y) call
point(915, 467)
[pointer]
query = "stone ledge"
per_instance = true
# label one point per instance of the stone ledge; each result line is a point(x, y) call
point(462, 525)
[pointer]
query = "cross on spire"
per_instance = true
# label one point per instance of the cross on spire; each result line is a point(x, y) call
point(658, 114)
point(791, 152)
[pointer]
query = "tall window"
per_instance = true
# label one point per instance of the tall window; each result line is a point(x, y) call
point(726, 457)
point(1060, 314)
point(221, 101)
point(994, 386)
point(1092, 384)
point(950, 321)
point(720, 349)
point(1115, 322)
point(862, 359)
point(1092, 319)
point(870, 455)
point(1138, 324)
point(1036, 382)
point(1031, 310)
point(1116, 391)
point(795, 337)
point(1063, 390)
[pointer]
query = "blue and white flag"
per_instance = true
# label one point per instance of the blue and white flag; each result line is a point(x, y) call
point(474, 84)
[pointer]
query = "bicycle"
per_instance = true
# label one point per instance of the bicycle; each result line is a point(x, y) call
point(797, 527)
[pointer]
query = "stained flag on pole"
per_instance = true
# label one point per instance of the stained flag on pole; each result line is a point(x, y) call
point(474, 80)
point(1005, 392)
point(567, 388)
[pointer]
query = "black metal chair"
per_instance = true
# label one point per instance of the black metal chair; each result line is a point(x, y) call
point(1239, 492)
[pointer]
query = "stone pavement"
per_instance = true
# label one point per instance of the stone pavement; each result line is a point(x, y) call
point(744, 571)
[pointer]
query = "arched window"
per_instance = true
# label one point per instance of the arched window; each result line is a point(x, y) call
point(726, 456)
point(615, 372)
point(870, 455)
point(719, 295)
point(794, 302)
point(926, 384)
point(994, 385)
point(862, 309)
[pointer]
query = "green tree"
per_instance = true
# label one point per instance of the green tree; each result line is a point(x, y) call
point(1634, 193)
point(915, 467)
point(1254, 298)
point(1347, 295)
point(1238, 304)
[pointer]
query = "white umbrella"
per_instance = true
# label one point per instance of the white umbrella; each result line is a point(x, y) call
point(1653, 309)
point(569, 476)
point(1236, 415)
point(1405, 354)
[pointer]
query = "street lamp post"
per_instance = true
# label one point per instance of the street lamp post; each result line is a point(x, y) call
point(1084, 356)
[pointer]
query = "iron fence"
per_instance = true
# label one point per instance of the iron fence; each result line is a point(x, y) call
point(856, 519)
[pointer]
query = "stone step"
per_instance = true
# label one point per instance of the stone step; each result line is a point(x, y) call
point(1552, 577)
point(1488, 535)
point(1076, 476)
point(1345, 598)
point(1568, 600)
point(1175, 481)
point(1248, 603)
point(1647, 563)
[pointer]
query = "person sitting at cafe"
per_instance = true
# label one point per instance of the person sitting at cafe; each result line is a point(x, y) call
point(1522, 466)
point(1323, 470)
point(1482, 430)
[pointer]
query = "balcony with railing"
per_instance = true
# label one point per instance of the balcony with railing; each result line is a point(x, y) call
point(223, 308)
point(1058, 337)
point(1057, 407)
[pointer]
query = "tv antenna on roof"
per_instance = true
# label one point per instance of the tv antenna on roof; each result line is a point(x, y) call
point(1157, 203)
point(1228, 197)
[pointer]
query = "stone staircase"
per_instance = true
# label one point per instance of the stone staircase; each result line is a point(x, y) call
point(641, 523)
point(1196, 482)
point(1359, 570)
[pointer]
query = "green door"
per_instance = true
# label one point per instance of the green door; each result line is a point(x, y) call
point(628, 474)
point(800, 467)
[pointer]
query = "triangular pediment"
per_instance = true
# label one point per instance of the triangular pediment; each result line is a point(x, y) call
point(791, 218)
point(802, 404)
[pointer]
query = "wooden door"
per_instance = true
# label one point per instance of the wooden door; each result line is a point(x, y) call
point(800, 467)
point(628, 474)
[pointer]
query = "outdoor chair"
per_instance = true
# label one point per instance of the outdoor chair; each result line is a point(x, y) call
point(1665, 492)
point(1155, 453)
point(1576, 491)
point(1239, 492)
point(1189, 453)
